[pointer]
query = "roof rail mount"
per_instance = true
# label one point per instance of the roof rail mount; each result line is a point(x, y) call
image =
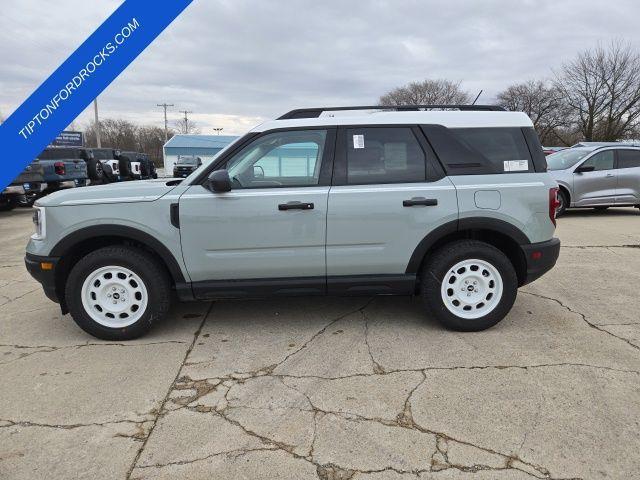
point(316, 112)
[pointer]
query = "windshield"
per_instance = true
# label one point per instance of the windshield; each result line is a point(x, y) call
point(188, 161)
point(566, 158)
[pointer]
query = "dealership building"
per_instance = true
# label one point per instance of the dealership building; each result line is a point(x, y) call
point(203, 146)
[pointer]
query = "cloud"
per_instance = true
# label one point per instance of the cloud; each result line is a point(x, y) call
point(235, 62)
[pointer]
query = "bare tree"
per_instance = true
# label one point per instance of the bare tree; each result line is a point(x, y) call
point(185, 126)
point(150, 140)
point(427, 92)
point(545, 106)
point(602, 91)
point(114, 133)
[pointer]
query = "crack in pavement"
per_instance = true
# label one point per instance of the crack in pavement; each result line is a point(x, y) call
point(237, 452)
point(166, 397)
point(377, 368)
point(17, 298)
point(64, 426)
point(583, 316)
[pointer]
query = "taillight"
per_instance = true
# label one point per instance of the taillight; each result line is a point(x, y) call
point(59, 168)
point(554, 203)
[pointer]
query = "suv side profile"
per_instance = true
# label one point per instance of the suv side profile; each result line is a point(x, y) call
point(599, 176)
point(454, 205)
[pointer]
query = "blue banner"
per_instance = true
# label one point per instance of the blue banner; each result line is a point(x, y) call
point(80, 79)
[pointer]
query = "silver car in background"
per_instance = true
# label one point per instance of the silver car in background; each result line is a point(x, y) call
point(597, 176)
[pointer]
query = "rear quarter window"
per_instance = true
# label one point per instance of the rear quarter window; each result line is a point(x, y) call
point(481, 151)
point(504, 148)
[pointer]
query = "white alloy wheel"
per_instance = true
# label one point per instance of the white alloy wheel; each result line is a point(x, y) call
point(114, 296)
point(471, 289)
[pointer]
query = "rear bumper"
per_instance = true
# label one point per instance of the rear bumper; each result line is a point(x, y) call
point(540, 258)
point(47, 278)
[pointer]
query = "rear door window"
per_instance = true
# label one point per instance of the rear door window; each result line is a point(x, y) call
point(628, 158)
point(378, 155)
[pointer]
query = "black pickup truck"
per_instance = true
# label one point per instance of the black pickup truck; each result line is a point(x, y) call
point(24, 189)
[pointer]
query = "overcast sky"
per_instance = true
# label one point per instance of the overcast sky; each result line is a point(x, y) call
point(235, 63)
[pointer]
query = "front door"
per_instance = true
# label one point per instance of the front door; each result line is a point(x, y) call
point(388, 194)
point(269, 230)
point(597, 187)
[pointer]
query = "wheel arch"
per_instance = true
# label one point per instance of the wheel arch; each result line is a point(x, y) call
point(77, 244)
point(502, 235)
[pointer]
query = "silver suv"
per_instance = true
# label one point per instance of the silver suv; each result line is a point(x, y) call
point(454, 205)
point(597, 175)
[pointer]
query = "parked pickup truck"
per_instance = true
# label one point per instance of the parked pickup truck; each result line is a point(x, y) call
point(63, 168)
point(24, 188)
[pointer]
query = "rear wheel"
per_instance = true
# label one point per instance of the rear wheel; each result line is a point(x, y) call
point(117, 293)
point(469, 285)
point(563, 203)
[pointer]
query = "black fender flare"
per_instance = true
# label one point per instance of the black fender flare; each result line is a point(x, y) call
point(471, 223)
point(96, 231)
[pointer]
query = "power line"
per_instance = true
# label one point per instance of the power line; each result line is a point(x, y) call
point(166, 125)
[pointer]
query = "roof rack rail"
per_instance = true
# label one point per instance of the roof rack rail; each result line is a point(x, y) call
point(316, 112)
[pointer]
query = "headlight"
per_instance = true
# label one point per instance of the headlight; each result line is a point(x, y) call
point(39, 221)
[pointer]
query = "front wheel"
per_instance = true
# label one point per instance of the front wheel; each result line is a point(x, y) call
point(469, 285)
point(117, 293)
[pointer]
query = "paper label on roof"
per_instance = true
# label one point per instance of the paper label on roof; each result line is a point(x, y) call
point(516, 165)
point(358, 141)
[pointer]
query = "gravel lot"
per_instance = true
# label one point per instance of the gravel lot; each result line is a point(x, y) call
point(335, 389)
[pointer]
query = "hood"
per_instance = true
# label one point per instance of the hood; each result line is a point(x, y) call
point(123, 192)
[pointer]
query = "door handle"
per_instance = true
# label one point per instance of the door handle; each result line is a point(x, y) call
point(610, 175)
point(427, 202)
point(295, 206)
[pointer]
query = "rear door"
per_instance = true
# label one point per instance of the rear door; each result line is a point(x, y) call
point(387, 194)
point(599, 186)
point(628, 188)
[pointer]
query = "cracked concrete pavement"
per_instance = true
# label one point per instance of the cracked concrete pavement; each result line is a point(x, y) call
point(335, 388)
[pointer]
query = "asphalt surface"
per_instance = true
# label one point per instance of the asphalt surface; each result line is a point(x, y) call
point(335, 388)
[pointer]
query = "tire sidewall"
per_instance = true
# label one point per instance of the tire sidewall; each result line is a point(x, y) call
point(562, 208)
point(157, 292)
point(436, 271)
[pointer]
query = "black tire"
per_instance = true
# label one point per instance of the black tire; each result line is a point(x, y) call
point(439, 265)
point(563, 199)
point(95, 170)
point(125, 167)
point(7, 206)
point(153, 276)
point(144, 169)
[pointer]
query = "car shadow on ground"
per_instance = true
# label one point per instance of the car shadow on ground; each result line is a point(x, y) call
point(609, 212)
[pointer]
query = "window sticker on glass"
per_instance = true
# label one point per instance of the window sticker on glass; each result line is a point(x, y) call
point(516, 165)
point(358, 141)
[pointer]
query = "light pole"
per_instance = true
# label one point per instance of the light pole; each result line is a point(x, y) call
point(166, 125)
point(218, 130)
point(95, 109)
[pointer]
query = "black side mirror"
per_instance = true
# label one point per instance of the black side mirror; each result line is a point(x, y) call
point(219, 181)
point(585, 168)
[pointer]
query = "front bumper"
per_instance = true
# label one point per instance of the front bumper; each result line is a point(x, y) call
point(540, 258)
point(46, 277)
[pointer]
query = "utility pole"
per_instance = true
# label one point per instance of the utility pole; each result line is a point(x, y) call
point(218, 130)
point(166, 125)
point(95, 109)
point(186, 120)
